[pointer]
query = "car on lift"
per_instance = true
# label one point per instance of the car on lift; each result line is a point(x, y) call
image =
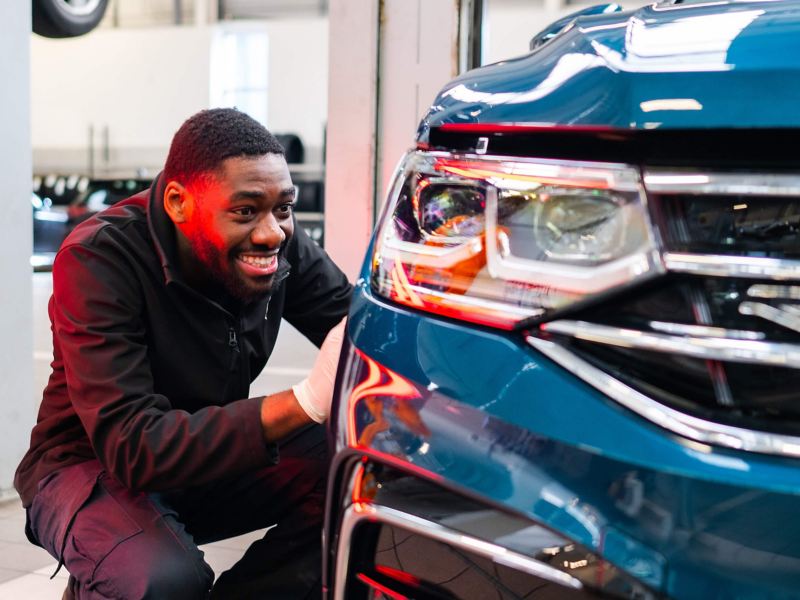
point(66, 18)
point(571, 367)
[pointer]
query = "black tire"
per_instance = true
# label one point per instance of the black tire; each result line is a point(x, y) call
point(66, 18)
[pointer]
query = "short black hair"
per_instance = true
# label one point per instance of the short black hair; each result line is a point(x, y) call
point(209, 137)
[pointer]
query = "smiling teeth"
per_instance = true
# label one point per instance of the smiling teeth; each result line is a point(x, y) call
point(258, 261)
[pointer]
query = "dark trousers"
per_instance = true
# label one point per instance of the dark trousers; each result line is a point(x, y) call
point(121, 544)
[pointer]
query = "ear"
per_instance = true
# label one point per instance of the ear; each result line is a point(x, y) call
point(177, 202)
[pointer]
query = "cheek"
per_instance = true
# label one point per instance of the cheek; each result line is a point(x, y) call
point(288, 229)
point(213, 233)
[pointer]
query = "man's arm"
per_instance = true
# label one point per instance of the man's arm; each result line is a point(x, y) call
point(281, 414)
point(135, 432)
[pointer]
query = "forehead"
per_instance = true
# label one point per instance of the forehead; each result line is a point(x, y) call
point(268, 171)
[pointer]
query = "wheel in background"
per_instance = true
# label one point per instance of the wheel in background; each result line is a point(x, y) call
point(66, 18)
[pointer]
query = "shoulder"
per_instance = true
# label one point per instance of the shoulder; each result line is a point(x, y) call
point(115, 220)
point(114, 241)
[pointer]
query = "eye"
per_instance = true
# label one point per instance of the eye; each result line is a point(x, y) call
point(286, 209)
point(244, 211)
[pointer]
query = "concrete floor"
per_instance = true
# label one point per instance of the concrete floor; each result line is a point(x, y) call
point(25, 570)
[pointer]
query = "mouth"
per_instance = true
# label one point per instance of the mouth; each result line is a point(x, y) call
point(257, 265)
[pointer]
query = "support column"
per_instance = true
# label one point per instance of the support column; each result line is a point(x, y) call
point(350, 139)
point(17, 406)
point(388, 59)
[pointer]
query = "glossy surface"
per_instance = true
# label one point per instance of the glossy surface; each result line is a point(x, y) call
point(555, 558)
point(496, 241)
point(694, 65)
point(506, 424)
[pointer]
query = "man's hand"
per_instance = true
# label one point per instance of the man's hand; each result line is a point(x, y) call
point(315, 392)
point(309, 400)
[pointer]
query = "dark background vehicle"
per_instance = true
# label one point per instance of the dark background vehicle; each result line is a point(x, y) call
point(61, 202)
point(100, 193)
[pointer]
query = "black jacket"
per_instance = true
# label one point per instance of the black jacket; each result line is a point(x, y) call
point(150, 376)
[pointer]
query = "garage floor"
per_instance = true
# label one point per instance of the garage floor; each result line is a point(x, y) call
point(25, 570)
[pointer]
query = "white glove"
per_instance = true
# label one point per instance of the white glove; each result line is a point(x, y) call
point(315, 392)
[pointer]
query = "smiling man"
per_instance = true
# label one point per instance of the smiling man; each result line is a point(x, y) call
point(164, 309)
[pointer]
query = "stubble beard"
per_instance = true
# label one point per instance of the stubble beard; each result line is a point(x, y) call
point(212, 260)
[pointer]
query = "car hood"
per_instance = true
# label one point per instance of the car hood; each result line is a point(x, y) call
point(697, 65)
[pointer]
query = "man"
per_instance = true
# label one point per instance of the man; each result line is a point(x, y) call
point(164, 309)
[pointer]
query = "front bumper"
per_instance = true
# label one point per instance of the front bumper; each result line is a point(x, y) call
point(496, 422)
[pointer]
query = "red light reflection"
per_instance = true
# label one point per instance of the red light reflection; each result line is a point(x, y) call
point(402, 292)
point(381, 588)
point(380, 381)
point(398, 575)
point(524, 128)
point(358, 482)
point(485, 170)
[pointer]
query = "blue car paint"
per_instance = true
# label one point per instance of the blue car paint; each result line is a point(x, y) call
point(506, 424)
point(499, 430)
point(699, 65)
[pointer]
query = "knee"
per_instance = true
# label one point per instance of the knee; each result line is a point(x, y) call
point(178, 577)
point(182, 575)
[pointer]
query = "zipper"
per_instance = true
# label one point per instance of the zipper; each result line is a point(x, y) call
point(233, 342)
point(233, 364)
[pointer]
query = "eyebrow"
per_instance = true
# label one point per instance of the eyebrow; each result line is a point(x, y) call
point(247, 195)
point(257, 195)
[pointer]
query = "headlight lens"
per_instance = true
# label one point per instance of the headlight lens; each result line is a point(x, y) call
point(498, 241)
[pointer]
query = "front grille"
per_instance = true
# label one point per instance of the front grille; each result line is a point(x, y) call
point(717, 337)
point(755, 226)
point(406, 537)
point(751, 390)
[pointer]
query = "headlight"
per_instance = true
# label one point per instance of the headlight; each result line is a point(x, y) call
point(498, 241)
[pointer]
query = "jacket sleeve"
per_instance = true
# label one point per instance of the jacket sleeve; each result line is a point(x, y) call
point(318, 293)
point(136, 434)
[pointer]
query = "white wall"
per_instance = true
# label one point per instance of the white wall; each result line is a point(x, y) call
point(143, 83)
point(510, 24)
point(17, 407)
point(298, 65)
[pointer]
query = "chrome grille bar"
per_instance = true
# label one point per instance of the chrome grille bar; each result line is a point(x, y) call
point(359, 513)
point(709, 348)
point(768, 185)
point(706, 331)
point(732, 266)
point(734, 184)
point(686, 425)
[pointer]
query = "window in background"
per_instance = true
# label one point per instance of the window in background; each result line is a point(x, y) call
point(239, 71)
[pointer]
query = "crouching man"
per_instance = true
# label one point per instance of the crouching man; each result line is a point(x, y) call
point(164, 308)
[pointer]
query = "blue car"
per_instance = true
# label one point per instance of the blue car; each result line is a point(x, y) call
point(573, 353)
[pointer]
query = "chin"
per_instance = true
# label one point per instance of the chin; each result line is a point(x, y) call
point(248, 291)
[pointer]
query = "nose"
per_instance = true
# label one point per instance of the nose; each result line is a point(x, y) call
point(267, 232)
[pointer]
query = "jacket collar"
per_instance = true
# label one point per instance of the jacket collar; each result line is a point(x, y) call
point(162, 230)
